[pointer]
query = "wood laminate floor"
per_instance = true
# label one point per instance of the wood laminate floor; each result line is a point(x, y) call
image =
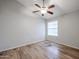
point(41, 50)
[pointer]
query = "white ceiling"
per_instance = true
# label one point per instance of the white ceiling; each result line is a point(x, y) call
point(61, 7)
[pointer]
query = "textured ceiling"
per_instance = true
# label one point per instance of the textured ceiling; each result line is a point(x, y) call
point(62, 7)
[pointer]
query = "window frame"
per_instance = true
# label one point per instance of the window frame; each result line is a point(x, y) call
point(55, 24)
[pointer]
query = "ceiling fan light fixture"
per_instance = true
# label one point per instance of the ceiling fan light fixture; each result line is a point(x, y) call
point(43, 10)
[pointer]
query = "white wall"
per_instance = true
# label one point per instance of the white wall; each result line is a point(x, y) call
point(17, 29)
point(68, 29)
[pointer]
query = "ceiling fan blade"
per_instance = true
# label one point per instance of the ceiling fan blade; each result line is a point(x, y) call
point(51, 6)
point(50, 12)
point(38, 5)
point(36, 11)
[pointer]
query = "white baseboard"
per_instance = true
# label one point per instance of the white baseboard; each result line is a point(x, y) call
point(23, 44)
point(65, 44)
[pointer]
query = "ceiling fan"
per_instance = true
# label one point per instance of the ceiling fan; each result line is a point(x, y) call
point(44, 9)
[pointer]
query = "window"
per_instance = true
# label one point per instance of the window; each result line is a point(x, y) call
point(53, 28)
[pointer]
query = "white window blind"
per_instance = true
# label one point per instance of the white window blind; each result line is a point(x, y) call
point(53, 28)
